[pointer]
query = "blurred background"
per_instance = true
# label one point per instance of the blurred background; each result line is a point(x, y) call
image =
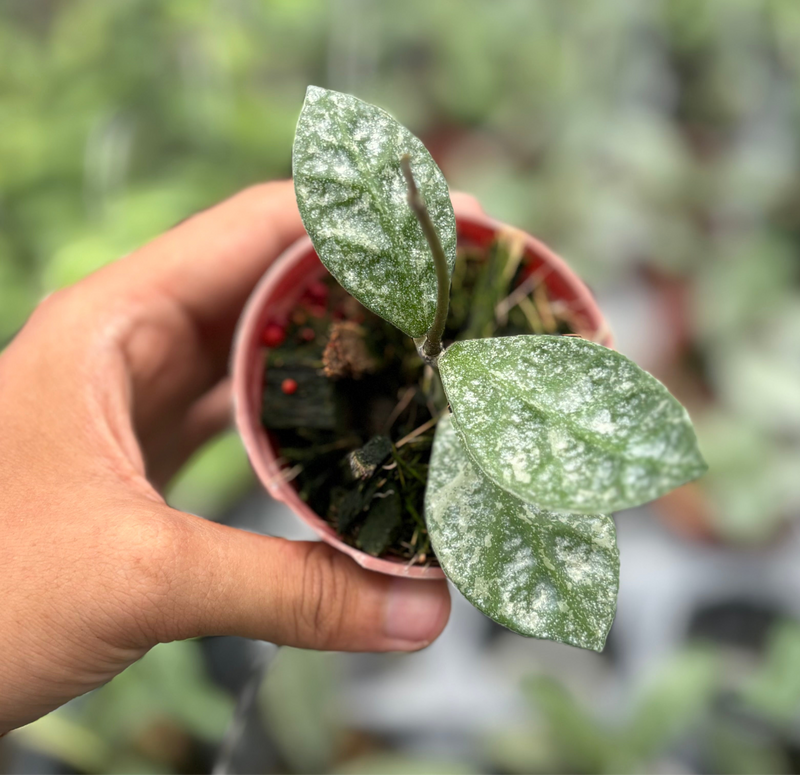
point(655, 146)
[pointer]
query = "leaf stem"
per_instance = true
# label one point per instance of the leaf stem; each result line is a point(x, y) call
point(432, 346)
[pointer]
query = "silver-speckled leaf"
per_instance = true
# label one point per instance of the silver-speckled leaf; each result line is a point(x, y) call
point(567, 424)
point(540, 574)
point(352, 197)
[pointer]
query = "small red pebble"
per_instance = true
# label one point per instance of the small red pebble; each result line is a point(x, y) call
point(289, 387)
point(273, 335)
point(308, 334)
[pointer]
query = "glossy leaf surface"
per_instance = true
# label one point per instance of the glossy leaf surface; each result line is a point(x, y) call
point(540, 574)
point(352, 197)
point(568, 424)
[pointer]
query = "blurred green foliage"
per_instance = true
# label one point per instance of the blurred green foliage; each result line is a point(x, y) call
point(734, 716)
point(299, 706)
point(149, 718)
point(621, 132)
point(774, 690)
point(216, 476)
point(146, 720)
point(397, 764)
point(121, 118)
point(569, 738)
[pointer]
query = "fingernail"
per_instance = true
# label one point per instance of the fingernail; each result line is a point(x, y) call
point(416, 612)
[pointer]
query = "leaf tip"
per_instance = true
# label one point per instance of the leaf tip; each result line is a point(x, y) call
point(598, 644)
point(313, 93)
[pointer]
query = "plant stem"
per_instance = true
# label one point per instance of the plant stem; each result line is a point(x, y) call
point(419, 431)
point(432, 346)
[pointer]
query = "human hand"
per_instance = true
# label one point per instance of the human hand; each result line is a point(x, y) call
point(104, 394)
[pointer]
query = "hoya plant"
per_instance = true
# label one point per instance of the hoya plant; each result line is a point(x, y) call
point(544, 435)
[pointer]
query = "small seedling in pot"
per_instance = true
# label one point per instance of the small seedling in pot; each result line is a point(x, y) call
point(546, 435)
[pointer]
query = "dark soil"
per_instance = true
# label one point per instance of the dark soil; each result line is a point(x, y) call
point(353, 408)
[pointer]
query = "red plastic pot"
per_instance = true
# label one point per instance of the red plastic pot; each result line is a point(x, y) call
point(280, 290)
point(688, 513)
point(691, 514)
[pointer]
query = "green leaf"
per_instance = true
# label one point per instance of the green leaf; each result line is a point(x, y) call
point(542, 575)
point(352, 198)
point(584, 744)
point(403, 764)
point(774, 691)
point(299, 703)
point(674, 699)
point(568, 424)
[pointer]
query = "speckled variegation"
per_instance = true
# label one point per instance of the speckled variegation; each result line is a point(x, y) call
point(352, 197)
point(541, 574)
point(568, 424)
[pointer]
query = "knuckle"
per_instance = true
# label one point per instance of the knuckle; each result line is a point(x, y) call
point(59, 320)
point(324, 596)
point(51, 306)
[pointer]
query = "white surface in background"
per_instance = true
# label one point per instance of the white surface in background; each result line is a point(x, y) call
point(637, 321)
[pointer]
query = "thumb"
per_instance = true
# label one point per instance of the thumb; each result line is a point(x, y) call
point(295, 593)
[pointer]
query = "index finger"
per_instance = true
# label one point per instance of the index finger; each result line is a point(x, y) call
point(209, 263)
